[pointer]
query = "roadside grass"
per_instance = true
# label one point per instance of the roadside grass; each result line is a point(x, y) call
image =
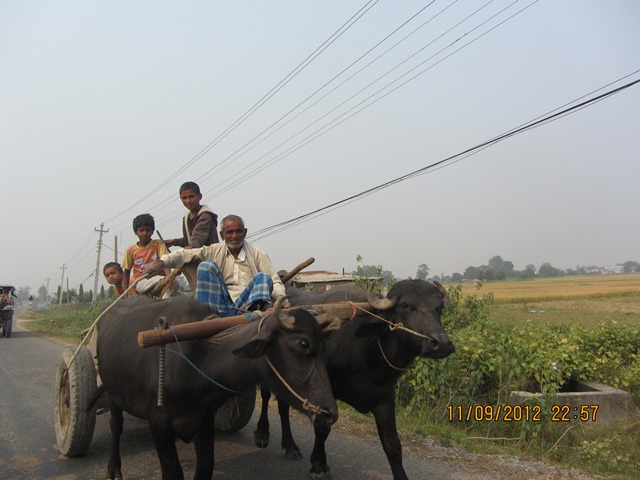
point(63, 324)
point(611, 451)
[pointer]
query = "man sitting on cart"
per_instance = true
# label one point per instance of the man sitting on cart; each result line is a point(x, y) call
point(233, 276)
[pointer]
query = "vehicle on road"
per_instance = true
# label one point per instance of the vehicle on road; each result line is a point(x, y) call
point(7, 294)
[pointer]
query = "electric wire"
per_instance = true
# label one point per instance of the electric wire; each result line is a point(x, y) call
point(177, 212)
point(539, 121)
point(319, 50)
point(362, 105)
point(206, 175)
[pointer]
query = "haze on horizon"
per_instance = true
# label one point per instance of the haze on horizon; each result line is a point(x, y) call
point(108, 107)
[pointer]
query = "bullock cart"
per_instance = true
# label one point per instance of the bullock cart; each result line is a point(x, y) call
point(76, 407)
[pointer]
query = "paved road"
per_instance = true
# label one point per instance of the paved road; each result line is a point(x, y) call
point(27, 439)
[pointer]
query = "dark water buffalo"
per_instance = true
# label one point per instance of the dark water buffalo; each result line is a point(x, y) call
point(236, 359)
point(365, 358)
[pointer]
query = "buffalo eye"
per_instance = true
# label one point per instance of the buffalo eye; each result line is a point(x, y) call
point(305, 344)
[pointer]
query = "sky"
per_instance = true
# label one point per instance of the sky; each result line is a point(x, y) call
point(279, 109)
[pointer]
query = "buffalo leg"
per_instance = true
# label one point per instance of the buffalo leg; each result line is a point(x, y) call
point(288, 444)
point(204, 446)
point(164, 441)
point(261, 435)
point(385, 416)
point(319, 468)
point(114, 467)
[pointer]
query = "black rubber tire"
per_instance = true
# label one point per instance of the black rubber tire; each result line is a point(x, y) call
point(236, 412)
point(8, 326)
point(74, 424)
point(7, 323)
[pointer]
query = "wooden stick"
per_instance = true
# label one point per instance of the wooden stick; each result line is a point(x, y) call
point(325, 314)
point(289, 275)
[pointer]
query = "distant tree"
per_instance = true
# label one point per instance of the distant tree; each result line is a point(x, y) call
point(501, 268)
point(81, 298)
point(103, 295)
point(23, 293)
point(456, 278)
point(111, 292)
point(631, 267)
point(546, 270)
point(423, 272)
point(364, 272)
point(367, 271)
point(528, 272)
point(471, 273)
point(42, 294)
point(490, 274)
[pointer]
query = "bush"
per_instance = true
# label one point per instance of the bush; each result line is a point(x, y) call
point(491, 360)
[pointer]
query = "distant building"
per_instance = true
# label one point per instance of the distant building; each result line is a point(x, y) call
point(609, 269)
point(323, 280)
point(320, 280)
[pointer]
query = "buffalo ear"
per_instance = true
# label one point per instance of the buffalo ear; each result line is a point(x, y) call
point(253, 349)
point(372, 328)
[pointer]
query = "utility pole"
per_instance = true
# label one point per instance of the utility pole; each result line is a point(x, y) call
point(48, 295)
point(115, 247)
point(97, 274)
point(63, 267)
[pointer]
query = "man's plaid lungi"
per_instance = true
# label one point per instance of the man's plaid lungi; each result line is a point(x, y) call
point(211, 289)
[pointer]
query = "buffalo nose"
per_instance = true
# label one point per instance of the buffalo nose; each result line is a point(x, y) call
point(327, 418)
point(439, 345)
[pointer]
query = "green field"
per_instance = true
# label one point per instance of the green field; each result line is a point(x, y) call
point(589, 300)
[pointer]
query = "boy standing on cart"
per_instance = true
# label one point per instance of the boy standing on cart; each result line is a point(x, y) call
point(199, 227)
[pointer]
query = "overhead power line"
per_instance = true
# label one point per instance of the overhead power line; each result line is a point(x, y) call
point(539, 121)
point(290, 76)
point(366, 102)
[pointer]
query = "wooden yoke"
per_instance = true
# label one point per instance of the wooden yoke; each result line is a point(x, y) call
point(330, 316)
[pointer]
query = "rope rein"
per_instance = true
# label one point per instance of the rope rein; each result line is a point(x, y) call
point(400, 369)
point(182, 355)
point(392, 326)
point(312, 410)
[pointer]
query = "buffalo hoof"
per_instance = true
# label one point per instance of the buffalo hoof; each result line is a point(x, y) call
point(261, 439)
point(115, 475)
point(293, 454)
point(320, 472)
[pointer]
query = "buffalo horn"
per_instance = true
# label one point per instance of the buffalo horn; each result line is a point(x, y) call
point(442, 290)
point(379, 303)
point(285, 318)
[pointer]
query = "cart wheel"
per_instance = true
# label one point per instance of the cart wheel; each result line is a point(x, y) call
point(74, 387)
point(236, 412)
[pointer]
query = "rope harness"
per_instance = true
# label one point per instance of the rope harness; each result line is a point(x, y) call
point(312, 410)
point(392, 326)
